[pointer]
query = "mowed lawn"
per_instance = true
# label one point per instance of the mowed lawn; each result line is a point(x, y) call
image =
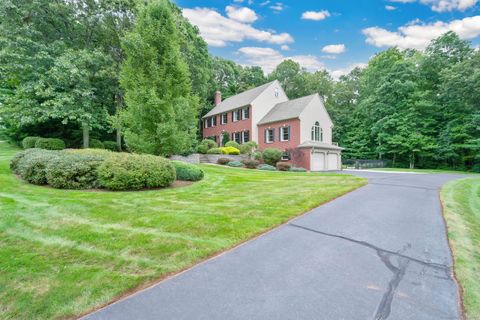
point(461, 200)
point(63, 253)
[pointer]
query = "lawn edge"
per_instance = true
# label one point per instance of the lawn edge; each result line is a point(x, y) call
point(150, 284)
point(460, 290)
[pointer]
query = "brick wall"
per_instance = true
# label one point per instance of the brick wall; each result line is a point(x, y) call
point(230, 127)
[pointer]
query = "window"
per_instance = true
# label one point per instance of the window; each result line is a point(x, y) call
point(317, 132)
point(224, 119)
point(213, 121)
point(245, 136)
point(276, 92)
point(245, 113)
point(206, 121)
point(269, 135)
point(284, 133)
point(236, 115)
point(236, 136)
point(286, 156)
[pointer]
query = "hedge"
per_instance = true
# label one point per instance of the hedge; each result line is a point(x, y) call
point(50, 144)
point(32, 166)
point(230, 150)
point(110, 145)
point(18, 157)
point(29, 142)
point(96, 144)
point(187, 172)
point(135, 172)
point(74, 171)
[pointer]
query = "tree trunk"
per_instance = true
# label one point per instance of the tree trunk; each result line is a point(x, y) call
point(86, 135)
point(412, 161)
point(394, 158)
point(119, 99)
point(119, 138)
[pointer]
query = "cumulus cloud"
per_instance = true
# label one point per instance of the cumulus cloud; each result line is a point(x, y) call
point(285, 47)
point(336, 74)
point(269, 58)
point(334, 48)
point(443, 5)
point(218, 30)
point(315, 15)
point(242, 14)
point(417, 35)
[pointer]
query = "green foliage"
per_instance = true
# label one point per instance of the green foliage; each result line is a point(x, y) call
point(29, 142)
point(14, 163)
point(266, 167)
point(32, 165)
point(96, 144)
point(235, 164)
point(92, 152)
point(250, 164)
point(232, 144)
point(73, 171)
point(110, 145)
point(258, 155)
point(209, 143)
point(50, 144)
point(202, 148)
point(134, 172)
point(223, 161)
point(248, 147)
point(284, 166)
point(161, 113)
point(271, 156)
point(214, 151)
point(298, 169)
point(230, 150)
point(187, 172)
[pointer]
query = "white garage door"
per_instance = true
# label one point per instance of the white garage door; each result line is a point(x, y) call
point(317, 162)
point(333, 162)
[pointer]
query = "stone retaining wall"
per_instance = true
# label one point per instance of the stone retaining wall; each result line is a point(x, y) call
point(207, 158)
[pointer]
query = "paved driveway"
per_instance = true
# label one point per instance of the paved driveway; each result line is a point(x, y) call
point(379, 252)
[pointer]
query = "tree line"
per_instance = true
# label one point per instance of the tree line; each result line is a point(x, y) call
point(139, 73)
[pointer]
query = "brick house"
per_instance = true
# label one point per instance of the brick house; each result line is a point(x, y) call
point(301, 128)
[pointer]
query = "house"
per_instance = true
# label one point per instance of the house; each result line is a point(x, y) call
point(301, 128)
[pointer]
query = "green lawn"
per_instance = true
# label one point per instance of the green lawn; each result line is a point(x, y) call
point(63, 253)
point(423, 170)
point(461, 200)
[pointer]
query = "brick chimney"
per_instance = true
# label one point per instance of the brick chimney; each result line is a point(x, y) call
point(218, 98)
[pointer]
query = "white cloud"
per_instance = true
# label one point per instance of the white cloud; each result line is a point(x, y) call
point(285, 47)
point(417, 35)
point(218, 30)
point(269, 58)
point(336, 74)
point(315, 15)
point(390, 8)
point(242, 14)
point(334, 48)
point(264, 3)
point(277, 7)
point(443, 5)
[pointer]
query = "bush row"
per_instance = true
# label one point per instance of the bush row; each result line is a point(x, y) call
point(58, 144)
point(208, 146)
point(255, 164)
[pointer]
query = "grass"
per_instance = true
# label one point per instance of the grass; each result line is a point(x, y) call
point(65, 252)
point(461, 201)
point(423, 170)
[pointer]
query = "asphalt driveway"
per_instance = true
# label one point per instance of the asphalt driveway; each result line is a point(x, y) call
point(380, 252)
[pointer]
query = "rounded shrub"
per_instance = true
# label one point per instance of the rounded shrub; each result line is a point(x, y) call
point(266, 167)
point(74, 171)
point(29, 142)
point(32, 166)
point(92, 152)
point(283, 166)
point(295, 169)
point(96, 144)
point(248, 147)
point(110, 145)
point(235, 164)
point(14, 163)
point(230, 150)
point(250, 164)
point(232, 144)
point(271, 156)
point(187, 172)
point(50, 144)
point(209, 143)
point(202, 148)
point(214, 151)
point(258, 155)
point(223, 161)
point(133, 172)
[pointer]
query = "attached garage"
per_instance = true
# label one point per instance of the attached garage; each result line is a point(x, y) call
point(322, 156)
point(332, 161)
point(317, 162)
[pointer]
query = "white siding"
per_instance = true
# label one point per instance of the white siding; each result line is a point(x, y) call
point(264, 103)
point(315, 111)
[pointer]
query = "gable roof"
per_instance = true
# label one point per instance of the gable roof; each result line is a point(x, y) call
point(287, 110)
point(240, 100)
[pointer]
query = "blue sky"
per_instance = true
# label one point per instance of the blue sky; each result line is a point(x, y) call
point(332, 34)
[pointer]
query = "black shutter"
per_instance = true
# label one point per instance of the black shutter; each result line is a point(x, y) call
point(280, 134)
point(273, 134)
point(265, 135)
point(288, 130)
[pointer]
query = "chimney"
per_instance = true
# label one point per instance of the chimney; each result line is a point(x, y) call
point(218, 98)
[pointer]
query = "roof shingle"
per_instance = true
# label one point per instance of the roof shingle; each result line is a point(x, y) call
point(287, 110)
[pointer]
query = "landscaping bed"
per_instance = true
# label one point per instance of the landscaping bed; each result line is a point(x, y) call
point(65, 252)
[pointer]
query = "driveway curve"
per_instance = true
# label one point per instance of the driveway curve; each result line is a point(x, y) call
point(380, 252)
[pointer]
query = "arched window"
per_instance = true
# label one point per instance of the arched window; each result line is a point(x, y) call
point(317, 132)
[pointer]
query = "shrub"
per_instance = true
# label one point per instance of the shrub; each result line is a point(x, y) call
point(93, 152)
point(271, 156)
point(74, 171)
point(230, 150)
point(294, 169)
point(29, 142)
point(232, 144)
point(223, 161)
point(235, 164)
point(214, 151)
point(248, 147)
point(32, 166)
point(187, 172)
point(96, 144)
point(125, 171)
point(202, 148)
point(250, 164)
point(283, 166)
point(209, 143)
point(19, 156)
point(266, 167)
point(258, 155)
point(50, 144)
point(110, 145)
